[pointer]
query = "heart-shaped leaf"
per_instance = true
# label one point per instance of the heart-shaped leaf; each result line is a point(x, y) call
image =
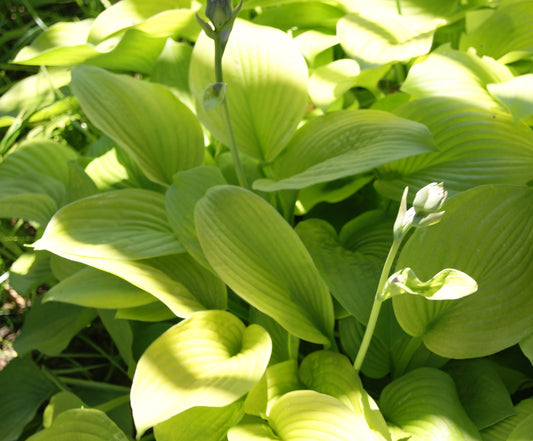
point(261, 258)
point(210, 359)
point(424, 403)
point(165, 137)
point(267, 88)
point(489, 236)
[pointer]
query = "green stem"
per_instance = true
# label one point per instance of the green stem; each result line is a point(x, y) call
point(220, 79)
point(376, 307)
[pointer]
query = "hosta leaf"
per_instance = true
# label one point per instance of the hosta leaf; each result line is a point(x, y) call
point(49, 327)
point(141, 15)
point(97, 289)
point(448, 284)
point(313, 42)
point(410, 8)
point(501, 152)
point(374, 40)
point(332, 373)
point(515, 41)
point(39, 156)
point(211, 359)
point(81, 425)
point(350, 263)
point(516, 94)
point(188, 188)
point(24, 388)
point(30, 271)
point(267, 88)
point(481, 391)
point(65, 44)
point(424, 403)
point(152, 312)
point(200, 423)
point(307, 414)
point(329, 82)
point(522, 432)
point(58, 404)
point(502, 430)
point(345, 143)
point(489, 236)
point(163, 138)
point(122, 335)
point(29, 206)
point(261, 258)
point(278, 380)
point(122, 224)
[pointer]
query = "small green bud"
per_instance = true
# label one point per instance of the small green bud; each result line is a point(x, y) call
point(219, 12)
point(429, 199)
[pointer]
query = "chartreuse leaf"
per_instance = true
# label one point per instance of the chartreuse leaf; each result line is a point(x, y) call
point(345, 143)
point(448, 284)
point(252, 429)
point(188, 188)
point(278, 380)
point(329, 82)
point(152, 312)
point(414, 8)
point(261, 258)
point(81, 425)
point(492, 224)
point(374, 39)
point(513, 43)
point(200, 423)
point(516, 94)
point(46, 157)
point(163, 138)
point(210, 359)
point(333, 374)
point(120, 224)
point(24, 388)
point(159, 17)
point(522, 432)
point(267, 88)
point(307, 414)
point(481, 391)
point(30, 271)
point(58, 404)
point(65, 44)
point(424, 404)
point(97, 289)
point(350, 262)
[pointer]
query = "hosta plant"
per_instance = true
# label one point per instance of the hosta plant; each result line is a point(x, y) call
point(295, 220)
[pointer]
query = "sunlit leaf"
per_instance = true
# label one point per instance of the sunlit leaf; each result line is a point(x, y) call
point(345, 143)
point(424, 403)
point(374, 40)
point(146, 120)
point(448, 284)
point(333, 374)
point(81, 425)
point(96, 289)
point(513, 42)
point(267, 88)
point(517, 94)
point(200, 423)
point(489, 236)
point(210, 359)
point(121, 224)
point(329, 82)
point(30, 271)
point(261, 258)
point(58, 404)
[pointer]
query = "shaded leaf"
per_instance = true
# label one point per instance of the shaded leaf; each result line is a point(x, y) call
point(24, 388)
point(260, 257)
